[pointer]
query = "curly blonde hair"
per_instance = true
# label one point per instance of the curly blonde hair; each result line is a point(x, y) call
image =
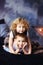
point(17, 21)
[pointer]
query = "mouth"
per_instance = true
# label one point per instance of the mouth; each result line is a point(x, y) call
point(21, 31)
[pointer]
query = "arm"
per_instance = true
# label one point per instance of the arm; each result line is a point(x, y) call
point(30, 47)
point(11, 42)
point(27, 48)
point(11, 45)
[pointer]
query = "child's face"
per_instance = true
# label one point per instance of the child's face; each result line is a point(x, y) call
point(20, 28)
point(20, 42)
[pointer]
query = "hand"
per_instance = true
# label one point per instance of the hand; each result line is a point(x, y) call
point(17, 51)
point(24, 45)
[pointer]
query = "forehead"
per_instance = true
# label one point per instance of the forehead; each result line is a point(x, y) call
point(20, 24)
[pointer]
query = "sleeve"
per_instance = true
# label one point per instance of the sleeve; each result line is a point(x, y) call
point(11, 34)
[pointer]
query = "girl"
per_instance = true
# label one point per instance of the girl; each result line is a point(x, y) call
point(19, 26)
point(21, 45)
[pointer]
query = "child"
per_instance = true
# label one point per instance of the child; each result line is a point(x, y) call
point(23, 44)
point(20, 45)
point(19, 26)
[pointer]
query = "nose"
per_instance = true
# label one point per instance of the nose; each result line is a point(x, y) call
point(21, 45)
point(21, 28)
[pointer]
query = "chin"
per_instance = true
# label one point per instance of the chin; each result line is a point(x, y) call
point(20, 32)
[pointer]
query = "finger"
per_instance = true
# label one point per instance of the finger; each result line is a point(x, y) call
point(24, 45)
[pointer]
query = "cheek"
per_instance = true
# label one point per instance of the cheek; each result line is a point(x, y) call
point(23, 43)
point(17, 29)
point(23, 29)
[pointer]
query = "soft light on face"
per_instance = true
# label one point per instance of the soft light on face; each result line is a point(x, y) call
point(20, 28)
point(20, 42)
